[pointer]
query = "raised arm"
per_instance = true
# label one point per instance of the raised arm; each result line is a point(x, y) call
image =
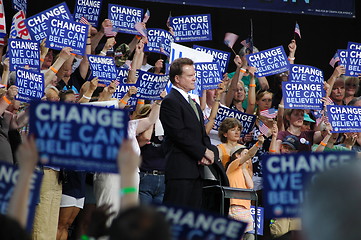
point(337, 72)
point(214, 110)
point(5, 101)
point(86, 97)
point(64, 55)
point(251, 91)
point(137, 61)
point(236, 77)
point(292, 51)
point(123, 102)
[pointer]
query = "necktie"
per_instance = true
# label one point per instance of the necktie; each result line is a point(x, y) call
point(193, 105)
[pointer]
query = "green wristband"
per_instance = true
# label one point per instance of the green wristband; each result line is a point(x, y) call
point(128, 190)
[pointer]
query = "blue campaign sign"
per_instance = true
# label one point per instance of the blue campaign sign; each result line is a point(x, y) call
point(286, 176)
point(122, 89)
point(221, 57)
point(124, 17)
point(64, 33)
point(9, 174)
point(20, 5)
point(151, 85)
point(122, 75)
point(192, 28)
point(102, 67)
point(303, 95)
point(269, 62)
point(76, 136)
point(37, 24)
point(344, 118)
point(247, 120)
point(260, 219)
point(190, 224)
point(343, 54)
point(353, 67)
point(159, 41)
point(24, 53)
point(303, 73)
point(89, 9)
point(30, 85)
point(208, 74)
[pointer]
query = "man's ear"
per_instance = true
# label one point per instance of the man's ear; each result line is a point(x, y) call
point(176, 78)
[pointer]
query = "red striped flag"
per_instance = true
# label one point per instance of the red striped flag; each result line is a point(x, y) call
point(334, 60)
point(297, 30)
point(230, 39)
point(140, 28)
point(84, 20)
point(263, 128)
point(168, 19)
point(269, 113)
point(2, 23)
point(146, 16)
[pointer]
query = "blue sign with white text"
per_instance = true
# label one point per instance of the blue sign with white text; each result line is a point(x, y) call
point(260, 219)
point(123, 89)
point(303, 73)
point(30, 85)
point(221, 57)
point(159, 41)
point(63, 33)
point(151, 85)
point(124, 17)
point(303, 95)
point(342, 54)
point(78, 137)
point(344, 118)
point(353, 67)
point(269, 62)
point(89, 9)
point(192, 28)
point(208, 74)
point(286, 176)
point(102, 67)
point(24, 53)
point(37, 24)
point(122, 75)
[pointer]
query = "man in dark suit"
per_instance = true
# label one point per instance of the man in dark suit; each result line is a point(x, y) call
point(188, 148)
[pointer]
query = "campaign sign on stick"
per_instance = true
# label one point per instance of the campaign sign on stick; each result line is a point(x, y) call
point(18, 28)
point(24, 53)
point(353, 67)
point(37, 24)
point(151, 85)
point(286, 176)
point(65, 33)
point(303, 73)
point(122, 75)
point(9, 175)
point(78, 137)
point(247, 120)
point(189, 224)
point(20, 5)
point(192, 28)
point(123, 89)
point(89, 9)
point(221, 57)
point(303, 95)
point(159, 41)
point(30, 85)
point(103, 68)
point(209, 75)
point(344, 118)
point(342, 54)
point(124, 17)
point(260, 219)
point(269, 62)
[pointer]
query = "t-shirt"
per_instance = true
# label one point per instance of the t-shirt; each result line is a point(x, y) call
point(306, 139)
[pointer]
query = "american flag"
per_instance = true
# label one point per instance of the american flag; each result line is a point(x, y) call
point(109, 32)
point(146, 16)
point(263, 128)
point(230, 39)
point(334, 60)
point(168, 19)
point(297, 30)
point(248, 43)
point(140, 28)
point(270, 113)
point(84, 20)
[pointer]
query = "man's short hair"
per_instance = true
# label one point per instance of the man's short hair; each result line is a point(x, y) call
point(176, 68)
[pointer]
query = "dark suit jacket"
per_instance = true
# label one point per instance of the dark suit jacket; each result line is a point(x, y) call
point(185, 138)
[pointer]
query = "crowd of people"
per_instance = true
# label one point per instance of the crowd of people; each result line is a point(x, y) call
point(174, 137)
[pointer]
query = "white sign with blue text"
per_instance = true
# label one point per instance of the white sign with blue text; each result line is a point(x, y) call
point(192, 28)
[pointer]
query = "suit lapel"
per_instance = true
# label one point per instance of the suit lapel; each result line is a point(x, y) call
point(179, 96)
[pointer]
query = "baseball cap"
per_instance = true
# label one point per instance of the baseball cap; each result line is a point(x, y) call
point(236, 149)
point(307, 118)
point(291, 141)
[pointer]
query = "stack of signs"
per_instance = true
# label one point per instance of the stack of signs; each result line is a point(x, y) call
point(122, 89)
point(8, 178)
point(90, 10)
point(78, 137)
point(188, 224)
point(124, 18)
point(344, 118)
point(151, 85)
point(24, 53)
point(159, 41)
point(286, 176)
point(30, 85)
point(192, 28)
point(208, 75)
point(269, 62)
point(37, 24)
point(304, 88)
point(64, 33)
point(247, 120)
point(102, 67)
point(220, 57)
point(353, 65)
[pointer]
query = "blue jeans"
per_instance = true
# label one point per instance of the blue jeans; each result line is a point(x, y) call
point(151, 188)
